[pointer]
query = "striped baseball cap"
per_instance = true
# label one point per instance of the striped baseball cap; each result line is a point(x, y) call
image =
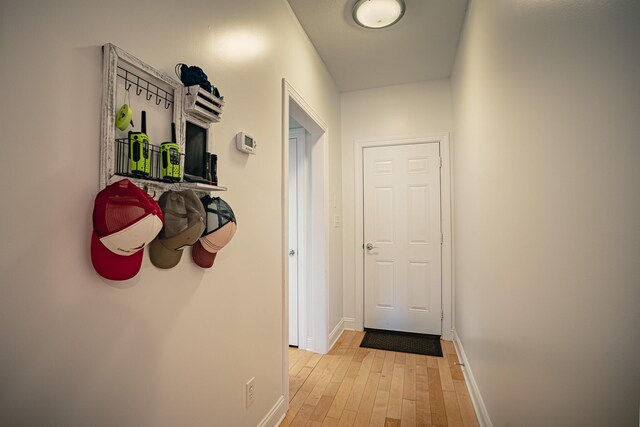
point(220, 228)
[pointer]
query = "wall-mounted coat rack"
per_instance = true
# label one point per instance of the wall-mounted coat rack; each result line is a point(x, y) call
point(157, 88)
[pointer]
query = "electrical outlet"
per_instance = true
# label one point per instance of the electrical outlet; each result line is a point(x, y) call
point(251, 391)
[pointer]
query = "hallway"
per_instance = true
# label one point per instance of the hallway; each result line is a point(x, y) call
point(360, 387)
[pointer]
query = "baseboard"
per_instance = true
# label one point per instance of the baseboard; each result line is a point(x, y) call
point(447, 335)
point(335, 334)
point(275, 415)
point(349, 323)
point(472, 386)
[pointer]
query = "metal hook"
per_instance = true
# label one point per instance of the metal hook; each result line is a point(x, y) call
point(145, 188)
point(138, 88)
point(149, 94)
point(167, 104)
point(127, 87)
point(158, 100)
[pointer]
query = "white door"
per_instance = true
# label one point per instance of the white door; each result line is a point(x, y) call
point(297, 141)
point(402, 238)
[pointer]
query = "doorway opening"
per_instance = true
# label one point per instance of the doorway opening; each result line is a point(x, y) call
point(299, 251)
point(311, 223)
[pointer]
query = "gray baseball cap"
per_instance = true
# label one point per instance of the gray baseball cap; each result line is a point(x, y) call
point(184, 222)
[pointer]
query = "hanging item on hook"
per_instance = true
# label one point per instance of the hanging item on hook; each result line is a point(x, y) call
point(125, 113)
point(124, 117)
point(125, 220)
point(139, 150)
point(193, 75)
point(184, 223)
point(220, 228)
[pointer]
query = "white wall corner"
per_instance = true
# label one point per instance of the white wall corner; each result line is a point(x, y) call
point(472, 386)
point(275, 416)
point(349, 324)
point(335, 334)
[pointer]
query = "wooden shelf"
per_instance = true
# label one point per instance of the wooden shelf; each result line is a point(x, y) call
point(200, 187)
point(156, 188)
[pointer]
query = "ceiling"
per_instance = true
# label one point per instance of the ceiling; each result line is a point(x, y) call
point(422, 46)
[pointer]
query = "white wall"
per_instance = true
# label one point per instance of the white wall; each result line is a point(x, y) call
point(170, 347)
point(402, 111)
point(546, 102)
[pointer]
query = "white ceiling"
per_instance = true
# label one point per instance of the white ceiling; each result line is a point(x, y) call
point(422, 46)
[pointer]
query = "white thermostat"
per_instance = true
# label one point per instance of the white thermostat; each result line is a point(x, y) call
point(245, 143)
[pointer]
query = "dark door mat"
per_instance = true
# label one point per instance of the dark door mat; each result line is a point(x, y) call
point(405, 342)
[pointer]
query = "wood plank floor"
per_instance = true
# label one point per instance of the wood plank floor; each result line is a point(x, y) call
point(354, 386)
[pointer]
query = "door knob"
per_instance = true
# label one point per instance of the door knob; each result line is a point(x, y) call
point(292, 252)
point(370, 246)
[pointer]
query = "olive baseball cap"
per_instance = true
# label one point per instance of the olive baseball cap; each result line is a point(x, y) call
point(184, 222)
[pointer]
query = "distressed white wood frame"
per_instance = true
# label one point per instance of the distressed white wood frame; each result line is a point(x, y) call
point(112, 56)
point(320, 226)
point(446, 227)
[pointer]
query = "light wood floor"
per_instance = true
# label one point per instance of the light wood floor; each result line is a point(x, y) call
point(354, 386)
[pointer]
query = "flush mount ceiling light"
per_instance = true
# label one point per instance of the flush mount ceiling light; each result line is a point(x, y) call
point(378, 13)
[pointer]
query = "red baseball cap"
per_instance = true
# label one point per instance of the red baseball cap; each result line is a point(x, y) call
point(125, 220)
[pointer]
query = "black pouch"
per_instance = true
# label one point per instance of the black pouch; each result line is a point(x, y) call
point(193, 75)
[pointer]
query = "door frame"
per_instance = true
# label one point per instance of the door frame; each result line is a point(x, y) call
point(293, 104)
point(445, 215)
